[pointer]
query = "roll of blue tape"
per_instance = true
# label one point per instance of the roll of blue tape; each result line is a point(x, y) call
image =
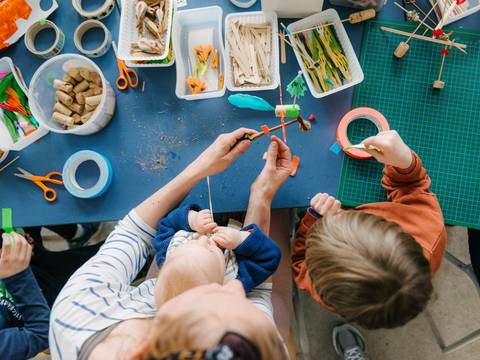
point(70, 171)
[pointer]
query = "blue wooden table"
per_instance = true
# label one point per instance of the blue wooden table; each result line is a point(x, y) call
point(153, 135)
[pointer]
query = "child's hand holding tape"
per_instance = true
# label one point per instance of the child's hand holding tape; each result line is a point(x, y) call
point(15, 255)
point(391, 149)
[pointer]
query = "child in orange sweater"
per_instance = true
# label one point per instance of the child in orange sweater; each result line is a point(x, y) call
point(373, 265)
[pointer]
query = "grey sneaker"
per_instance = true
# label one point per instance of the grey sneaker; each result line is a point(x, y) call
point(348, 342)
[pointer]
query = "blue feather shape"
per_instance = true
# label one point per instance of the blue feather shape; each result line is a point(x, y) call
point(246, 101)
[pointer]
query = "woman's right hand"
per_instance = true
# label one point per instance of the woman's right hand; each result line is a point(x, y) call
point(222, 153)
point(15, 255)
point(276, 171)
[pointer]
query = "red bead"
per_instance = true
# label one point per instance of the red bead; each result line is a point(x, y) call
point(445, 52)
point(437, 32)
point(311, 117)
point(460, 2)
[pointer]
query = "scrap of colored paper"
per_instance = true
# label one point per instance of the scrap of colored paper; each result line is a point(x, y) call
point(335, 148)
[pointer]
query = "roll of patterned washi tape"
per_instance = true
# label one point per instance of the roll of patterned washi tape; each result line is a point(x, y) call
point(70, 174)
point(32, 33)
point(359, 113)
point(101, 12)
point(83, 28)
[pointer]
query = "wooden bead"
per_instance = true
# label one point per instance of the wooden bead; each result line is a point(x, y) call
point(438, 84)
point(401, 50)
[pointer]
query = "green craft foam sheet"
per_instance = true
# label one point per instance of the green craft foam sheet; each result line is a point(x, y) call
point(442, 126)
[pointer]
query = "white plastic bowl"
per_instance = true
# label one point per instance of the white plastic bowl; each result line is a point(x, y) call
point(42, 94)
point(326, 17)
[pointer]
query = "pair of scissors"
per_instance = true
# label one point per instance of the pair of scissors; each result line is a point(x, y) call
point(48, 193)
point(125, 73)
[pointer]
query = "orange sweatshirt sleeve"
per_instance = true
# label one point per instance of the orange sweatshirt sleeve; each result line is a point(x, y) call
point(299, 266)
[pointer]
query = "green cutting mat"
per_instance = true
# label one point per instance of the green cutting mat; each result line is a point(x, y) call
point(443, 127)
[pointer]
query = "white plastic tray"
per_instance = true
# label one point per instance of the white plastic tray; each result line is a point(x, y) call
point(190, 29)
point(326, 17)
point(128, 32)
point(6, 142)
point(452, 18)
point(254, 17)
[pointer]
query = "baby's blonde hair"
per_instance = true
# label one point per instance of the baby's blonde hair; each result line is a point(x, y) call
point(181, 273)
point(368, 269)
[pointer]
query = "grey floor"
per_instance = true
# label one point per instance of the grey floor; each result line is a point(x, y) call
point(455, 312)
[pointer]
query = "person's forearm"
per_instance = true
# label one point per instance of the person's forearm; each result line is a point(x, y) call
point(258, 212)
point(164, 200)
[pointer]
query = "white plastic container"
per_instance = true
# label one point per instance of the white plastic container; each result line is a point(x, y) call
point(128, 33)
point(6, 141)
point(293, 8)
point(192, 28)
point(42, 94)
point(254, 17)
point(140, 63)
point(469, 7)
point(326, 17)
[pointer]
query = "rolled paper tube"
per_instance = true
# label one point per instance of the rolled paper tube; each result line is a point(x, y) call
point(80, 87)
point(64, 98)
point(289, 111)
point(93, 100)
point(62, 119)
point(62, 85)
point(75, 73)
point(62, 109)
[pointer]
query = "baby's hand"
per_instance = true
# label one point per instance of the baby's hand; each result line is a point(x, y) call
point(324, 204)
point(229, 238)
point(201, 222)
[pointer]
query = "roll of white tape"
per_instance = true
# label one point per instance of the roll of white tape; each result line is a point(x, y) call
point(83, 28)
point(32, 33)
point(70, 174)
point(99, 13)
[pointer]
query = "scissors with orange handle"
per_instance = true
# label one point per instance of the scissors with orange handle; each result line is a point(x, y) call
point(48, 193)
point(126, 74)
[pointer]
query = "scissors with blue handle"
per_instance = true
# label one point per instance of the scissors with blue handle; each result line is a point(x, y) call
point(48, 193)
point(125, 73)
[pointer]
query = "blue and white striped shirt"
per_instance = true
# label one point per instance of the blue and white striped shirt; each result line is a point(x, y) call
point(99, 294)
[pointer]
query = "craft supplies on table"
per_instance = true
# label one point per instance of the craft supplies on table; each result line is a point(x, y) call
point(293, 8)
point(18, 126)
point(359, 113)
point(378, 5)
point(16, 16)
point(465, 9)
point(168, 61)
point(83, 28)
point(32, 33)
point(81, 79)
point(197, 42)
point(53, 177)
point(326, 57)
point(99, 13)
point(146, 36)
point(251, 51)
point(70, 174)
point(441, 126)
point(126, 74)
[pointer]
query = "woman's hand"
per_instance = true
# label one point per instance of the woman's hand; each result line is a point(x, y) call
point(392, 150)
point(16, 258)
point(222, 153)
point(325, 205)
point(276, 171)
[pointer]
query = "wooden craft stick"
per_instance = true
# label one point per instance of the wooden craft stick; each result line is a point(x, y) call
point(283, 52)
point(299, 120)
point(425, 38)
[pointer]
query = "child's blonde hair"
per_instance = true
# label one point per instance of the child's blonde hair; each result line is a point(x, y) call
point(368, 269)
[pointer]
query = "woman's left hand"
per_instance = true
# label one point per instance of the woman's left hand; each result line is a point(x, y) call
point(223, 152)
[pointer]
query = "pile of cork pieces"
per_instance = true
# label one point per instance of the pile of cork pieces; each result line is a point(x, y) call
point(250, 48)
point(77, 97)
point(152, 26)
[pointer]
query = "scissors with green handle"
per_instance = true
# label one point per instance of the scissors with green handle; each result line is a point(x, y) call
point(48, 193)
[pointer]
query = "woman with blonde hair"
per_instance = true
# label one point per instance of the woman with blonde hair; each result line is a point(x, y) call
point(99, 315)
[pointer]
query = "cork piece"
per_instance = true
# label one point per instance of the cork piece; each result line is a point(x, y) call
point(62, 85)
point(80, 87)
point(86, 117)
point(438, 84)
point(361, 16)
point(62, 109)
point(75, 73)
point(62, 119)
point(77, 108)
point(401, 50)
point(77, 118)
point(93, 100)
point(89, 108)
point(64, 98)
point(67, 78)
